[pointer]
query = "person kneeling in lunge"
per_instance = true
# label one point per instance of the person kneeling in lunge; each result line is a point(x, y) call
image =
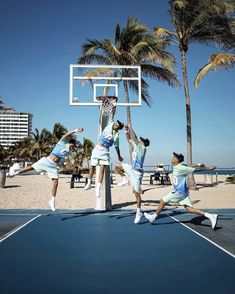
point(181, 191)
point(50, 164)
point(134, 171)
point(100, 154)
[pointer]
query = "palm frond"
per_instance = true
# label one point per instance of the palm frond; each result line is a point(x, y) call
point(110, 48)
point(90, 46)
point(163, 33)
point(92, 58)
point(160, 74)
point(218, 61)
point(179, 3)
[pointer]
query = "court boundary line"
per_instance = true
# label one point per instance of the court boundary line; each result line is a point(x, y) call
point(207, 239)
point(19, 214)
point(19, 228)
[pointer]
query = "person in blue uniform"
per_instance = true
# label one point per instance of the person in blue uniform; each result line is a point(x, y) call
point(181, 192)
point(101, 155)
point(135, 170)
point(50, 164)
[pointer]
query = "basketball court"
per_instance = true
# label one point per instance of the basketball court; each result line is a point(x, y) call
point(102, 251)
point(105, 252)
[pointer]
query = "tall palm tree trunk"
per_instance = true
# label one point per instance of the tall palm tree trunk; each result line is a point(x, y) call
point(192, 183)
point(128, 114)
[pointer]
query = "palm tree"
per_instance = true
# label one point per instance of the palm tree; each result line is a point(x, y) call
point(223, 60)
point(58, 131)
point(217, 61)
point(22, 151)
point(203, 22)
point(42, 143)
point(87, 147)
point(133, 45)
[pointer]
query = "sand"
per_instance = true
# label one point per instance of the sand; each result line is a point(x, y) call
point(33, 192)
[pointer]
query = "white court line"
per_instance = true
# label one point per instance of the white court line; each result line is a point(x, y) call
point(215, 244)
point(18, 214)
point(19, 228)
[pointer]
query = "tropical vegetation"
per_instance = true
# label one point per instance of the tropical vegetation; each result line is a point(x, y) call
point(204, 22)
point(38, 144)
point(132, 45)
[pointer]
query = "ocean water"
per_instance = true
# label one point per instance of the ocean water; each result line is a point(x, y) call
point(218, 171)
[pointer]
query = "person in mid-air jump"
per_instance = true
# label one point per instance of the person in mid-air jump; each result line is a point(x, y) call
point(135, 171)
point(50, 164)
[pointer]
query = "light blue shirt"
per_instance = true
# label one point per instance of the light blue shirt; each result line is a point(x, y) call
point(61, 149)
point(109, 136)
point(180, 173)
point(138, 155)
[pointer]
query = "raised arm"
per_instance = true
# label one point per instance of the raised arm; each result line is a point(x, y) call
point(132, 134)
point(203, 168)
point(73, 132)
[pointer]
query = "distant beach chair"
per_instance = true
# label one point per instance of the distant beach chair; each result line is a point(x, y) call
point(76, 177)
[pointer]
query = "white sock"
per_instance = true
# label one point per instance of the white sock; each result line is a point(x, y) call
point(155, 215)
point(98, 186)
point(16, 173)
point(208, 215)
point(52, 199)
point(89, 181)
point(138, 210)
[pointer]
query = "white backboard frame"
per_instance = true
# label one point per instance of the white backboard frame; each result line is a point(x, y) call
point(74, 77)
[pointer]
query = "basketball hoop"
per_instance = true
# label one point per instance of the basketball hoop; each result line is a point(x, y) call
point(108, 103)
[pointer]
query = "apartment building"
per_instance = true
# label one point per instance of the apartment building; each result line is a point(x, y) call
point(14, 126)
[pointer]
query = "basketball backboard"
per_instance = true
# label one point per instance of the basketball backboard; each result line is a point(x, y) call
point(89, 81)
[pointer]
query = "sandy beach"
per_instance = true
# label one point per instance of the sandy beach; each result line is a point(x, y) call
point(33, 192)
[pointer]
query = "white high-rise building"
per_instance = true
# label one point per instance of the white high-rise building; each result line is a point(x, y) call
point(14, 125)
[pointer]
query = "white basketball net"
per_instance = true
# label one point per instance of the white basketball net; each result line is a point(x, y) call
point(107, 105)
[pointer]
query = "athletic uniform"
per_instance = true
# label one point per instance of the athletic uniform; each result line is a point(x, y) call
point(181, 191)
point(100, 154)
point(45, 164)
point(135, 171)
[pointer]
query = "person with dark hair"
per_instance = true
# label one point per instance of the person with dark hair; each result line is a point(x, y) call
point(101, 155)
point(50, 164)
point(135, 171)
point(181, 192)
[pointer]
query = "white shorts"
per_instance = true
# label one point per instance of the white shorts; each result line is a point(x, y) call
point(135, 177)
point(46, 165)
point(178, 198)
point(100, 156)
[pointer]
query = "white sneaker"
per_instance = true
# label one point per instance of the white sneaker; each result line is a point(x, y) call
point(150, 217)
point(123, 183)
point(10, 175)
point(138, 217)
point(87, 187)
point(213, 219)
point(52, 205)
point(97, 192)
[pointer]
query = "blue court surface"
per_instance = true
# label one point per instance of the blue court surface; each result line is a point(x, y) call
point(105, 252)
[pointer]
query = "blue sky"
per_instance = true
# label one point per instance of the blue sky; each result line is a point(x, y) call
point(39, 39)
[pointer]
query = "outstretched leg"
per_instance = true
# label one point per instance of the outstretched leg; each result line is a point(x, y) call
point(120, 170)
point(212, 217)
point(152, 217)
point(90, 175)
point(100, 180)
point(55, 183)
point(21, 171)
point(138, 212)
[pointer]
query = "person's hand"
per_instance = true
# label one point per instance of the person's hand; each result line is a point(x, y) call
point(120, 158)
point(79, 130)
point(211, 167)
